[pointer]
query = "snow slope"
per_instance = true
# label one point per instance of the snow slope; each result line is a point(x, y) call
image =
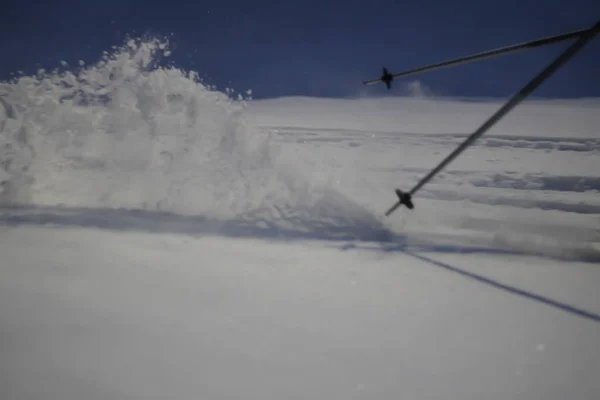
point(530, 185)
point(98, 314)
point(160, 240)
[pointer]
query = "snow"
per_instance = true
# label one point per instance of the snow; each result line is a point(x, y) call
point(160, 240)
point(95, 314)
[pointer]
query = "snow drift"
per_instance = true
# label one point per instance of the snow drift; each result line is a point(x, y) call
point(129, 133)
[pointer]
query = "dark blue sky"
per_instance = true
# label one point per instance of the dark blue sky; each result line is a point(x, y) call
point(315, 48)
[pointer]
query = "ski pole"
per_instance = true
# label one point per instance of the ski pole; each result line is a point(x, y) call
point(406, 197)
point(387, 77)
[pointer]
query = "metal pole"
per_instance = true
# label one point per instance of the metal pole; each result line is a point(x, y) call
point(405, 198)
point(387, 78)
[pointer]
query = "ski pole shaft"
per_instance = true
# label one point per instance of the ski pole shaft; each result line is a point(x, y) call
point(515, 100)
point(487, 54)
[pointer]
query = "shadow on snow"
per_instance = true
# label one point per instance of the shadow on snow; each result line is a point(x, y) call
point(379, 237)
point(370, 238)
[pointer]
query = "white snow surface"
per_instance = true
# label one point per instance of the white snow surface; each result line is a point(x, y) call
point(160, 239)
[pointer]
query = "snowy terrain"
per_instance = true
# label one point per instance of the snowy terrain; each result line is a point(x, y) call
point(160, 240)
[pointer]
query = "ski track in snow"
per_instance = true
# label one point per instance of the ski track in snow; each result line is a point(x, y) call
point(504, 176)
point(487, 191)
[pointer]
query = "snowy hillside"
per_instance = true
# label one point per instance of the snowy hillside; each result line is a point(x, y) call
point(161, 240)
